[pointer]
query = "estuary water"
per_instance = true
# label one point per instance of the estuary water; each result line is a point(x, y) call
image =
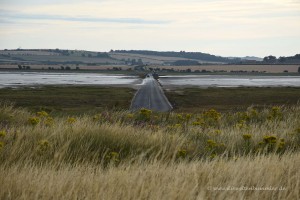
point(20, 79)
point(230, 81)
point(17, 79)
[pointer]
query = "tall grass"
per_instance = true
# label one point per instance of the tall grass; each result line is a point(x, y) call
point(145, 155)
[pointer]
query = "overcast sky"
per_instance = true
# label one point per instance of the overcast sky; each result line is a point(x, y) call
point(220, 27)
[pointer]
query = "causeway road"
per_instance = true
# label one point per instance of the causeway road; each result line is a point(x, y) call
point(150, 96)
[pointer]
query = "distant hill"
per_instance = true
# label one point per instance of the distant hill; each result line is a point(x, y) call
point(129, 58)
point(56, 56)
point(198, 56)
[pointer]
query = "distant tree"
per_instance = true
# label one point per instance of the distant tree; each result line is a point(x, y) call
point(20, 66)
point(83, 55)
point(68, 68)
point(297, 56)
point(298, 69)
point(282, 59)
point(62, 67)
point(77, 68)
point(285, 71)
point(98, 54)
point(270, 59)
point(27, 67)
point(133, 62)
point(140, 62)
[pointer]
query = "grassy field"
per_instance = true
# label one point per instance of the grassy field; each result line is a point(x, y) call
point(235, 99)
point(145, 155)
point(70, 100)
point(90, 99)
point(82, 143)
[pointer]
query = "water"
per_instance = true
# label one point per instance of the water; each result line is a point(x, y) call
point(230, 81)
point(16, 79)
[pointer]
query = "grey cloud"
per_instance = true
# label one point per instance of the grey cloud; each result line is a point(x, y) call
point(4, 14)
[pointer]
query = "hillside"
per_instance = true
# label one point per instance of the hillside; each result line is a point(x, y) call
point(83, 58)
point(118, 57)
point(182, 55)
point(55, 56)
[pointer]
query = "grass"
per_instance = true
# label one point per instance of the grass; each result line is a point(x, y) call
point(71, 100)
point(146, 155)
point(91, 99)
point(226, 99)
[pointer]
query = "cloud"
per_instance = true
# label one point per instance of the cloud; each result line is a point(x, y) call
point(216, 26)
point(9, 15)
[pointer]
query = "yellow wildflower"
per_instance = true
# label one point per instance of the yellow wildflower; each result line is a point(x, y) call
point(211, 143)
point(247, 136)
point(42, 114)
point(113, 156)
point(71, 120)
point(96, 117)
point(196, 123)
point(2, 133)
point(270, 139)
point(177, 126)
point(130, 116)
point(49, 121)
point(181, 153)
point(179, 117)
point(34, 120)
point(43, 145)
point(188, 116)
point(213, 155)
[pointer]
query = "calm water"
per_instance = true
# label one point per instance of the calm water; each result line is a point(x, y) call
point(16, 79)
point(230, 81)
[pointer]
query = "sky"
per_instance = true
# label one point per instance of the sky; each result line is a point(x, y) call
point(219, 27)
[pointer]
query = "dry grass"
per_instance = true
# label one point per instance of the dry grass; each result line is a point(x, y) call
point(144, 155)
point(193, 180)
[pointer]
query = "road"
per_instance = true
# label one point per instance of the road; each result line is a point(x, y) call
point(150, 96)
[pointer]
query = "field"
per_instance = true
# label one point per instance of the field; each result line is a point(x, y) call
point(70, 100)
point(82, 143)
point(144, 155)
point(234, 99)
point(90, 99)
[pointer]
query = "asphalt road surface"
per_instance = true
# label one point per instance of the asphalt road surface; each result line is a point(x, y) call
point(150, 96)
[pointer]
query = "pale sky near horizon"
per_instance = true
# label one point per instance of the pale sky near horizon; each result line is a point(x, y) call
point(219, 27)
